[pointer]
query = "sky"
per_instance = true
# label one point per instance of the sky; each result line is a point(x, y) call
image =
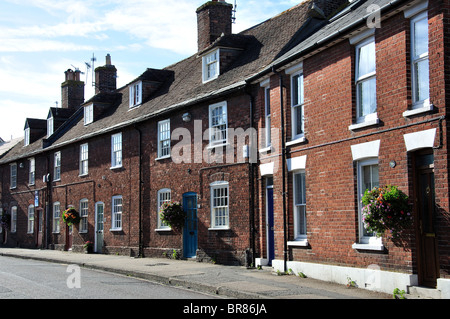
point(41, 39)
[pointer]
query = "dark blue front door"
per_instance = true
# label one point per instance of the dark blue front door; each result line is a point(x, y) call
point(270, 233)
point(190, 226)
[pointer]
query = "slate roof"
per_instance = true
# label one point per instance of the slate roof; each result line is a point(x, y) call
point(344, 24)
point(273, 42)
point(260, 45)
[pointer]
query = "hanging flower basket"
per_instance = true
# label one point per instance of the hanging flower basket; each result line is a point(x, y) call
point(172, 214)
point(70, 216)
point(386, 209)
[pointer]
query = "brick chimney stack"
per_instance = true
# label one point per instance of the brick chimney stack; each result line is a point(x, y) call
point(72, 90)
point(105, 77)
point(213, 19)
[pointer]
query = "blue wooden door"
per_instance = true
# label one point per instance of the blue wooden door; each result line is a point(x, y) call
point(270, 232)
point(190, 226)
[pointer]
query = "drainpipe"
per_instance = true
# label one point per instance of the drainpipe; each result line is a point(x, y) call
point(141, 248)
point(251, 178)
point(283, 167)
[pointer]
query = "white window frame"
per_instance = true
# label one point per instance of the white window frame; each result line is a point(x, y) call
point(299, 106)
point(213, 131)
point(219, 211)
point(13, 219)
point(299, 205)
point(56, 227)
point(116, 213)
point(164, 195)
point(135, 94)
point(417, 59)
point(84, 159)
point(26, 140)
point(32, 171)
point(30, 219)
point(84, 213)
point(89, 114)
point(370, 242)
point(116, 150)
point(267, 116)
point(57, 166)
point(13, 176)
point(50, 126)
point(371, 118)
point(211, 66)
point(163, 137)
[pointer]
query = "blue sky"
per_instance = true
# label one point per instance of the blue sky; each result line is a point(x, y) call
point(40, 39)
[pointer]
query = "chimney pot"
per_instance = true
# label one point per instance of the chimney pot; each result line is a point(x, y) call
point(72, 90)
point(105, 77)
point(108, 59)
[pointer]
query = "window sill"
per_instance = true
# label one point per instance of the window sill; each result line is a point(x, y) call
point(365, 124)
point(223, 228)
point(374, 247)
point(133, 107)
point(265, 149)
point(83, 175)
point(299, 243)
point(162, 157)
point(163, 229)
point(212, 146)
point(115, 229)
point(116, 167)
point(419, 110)
point(296, 141)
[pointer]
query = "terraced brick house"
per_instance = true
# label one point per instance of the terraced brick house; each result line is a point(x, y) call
point(268, 138)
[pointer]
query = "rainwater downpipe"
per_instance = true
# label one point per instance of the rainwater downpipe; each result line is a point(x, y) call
point(251, 178)
point(283, 167)
point(141, 250)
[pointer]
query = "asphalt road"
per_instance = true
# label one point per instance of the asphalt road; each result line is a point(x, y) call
point(29, 279)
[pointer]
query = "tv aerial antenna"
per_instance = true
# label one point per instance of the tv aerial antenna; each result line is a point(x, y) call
point(233, 17)
point(91, 66)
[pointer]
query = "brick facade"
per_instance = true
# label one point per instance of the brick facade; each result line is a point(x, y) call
point(329, 153)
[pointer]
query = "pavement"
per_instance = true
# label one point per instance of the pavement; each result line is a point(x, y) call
point(219, 280)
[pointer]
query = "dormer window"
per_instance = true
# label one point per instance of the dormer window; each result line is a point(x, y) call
point(26, 140)
point(50, 126)
point(88, 114)
point(211, 66)
point(135, 94)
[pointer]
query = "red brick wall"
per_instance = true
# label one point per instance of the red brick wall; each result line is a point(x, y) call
point(332, 207)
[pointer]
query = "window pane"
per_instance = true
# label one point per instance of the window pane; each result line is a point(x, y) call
point(421, 37)
point(298, 118)
point(297, 89)
point(220, 206)
point(366, 63)
point(301, 219)
point(300, 189)
point(367, 97)
point(422, 80)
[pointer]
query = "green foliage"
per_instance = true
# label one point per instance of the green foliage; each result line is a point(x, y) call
point(70, 216)
point(399, 294)
point(386, 209)
point(172, 214)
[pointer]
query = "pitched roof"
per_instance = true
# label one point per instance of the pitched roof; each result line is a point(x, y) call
point(258, 47)
point(344, 24)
